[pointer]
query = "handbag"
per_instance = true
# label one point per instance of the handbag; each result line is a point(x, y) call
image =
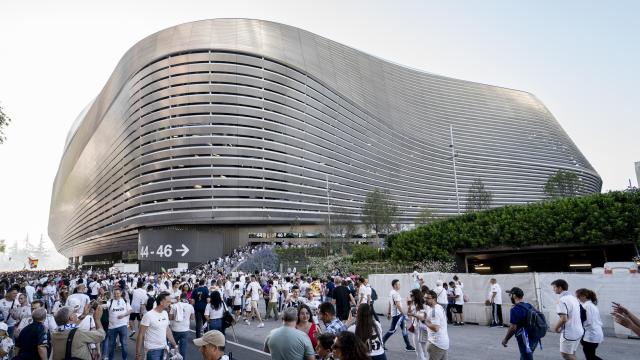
point(227, 318)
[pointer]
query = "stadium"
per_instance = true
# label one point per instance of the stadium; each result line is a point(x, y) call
point(214, 134)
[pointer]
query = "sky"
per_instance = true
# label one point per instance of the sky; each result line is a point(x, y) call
point(580, 58)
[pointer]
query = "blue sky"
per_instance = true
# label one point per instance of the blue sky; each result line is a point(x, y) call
point(579, 57)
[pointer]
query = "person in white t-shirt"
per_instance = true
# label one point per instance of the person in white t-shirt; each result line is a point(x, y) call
point(495, 299)
point(593, 335)
point(458, 304)
point(415, 275)
point(237, 300)
point(6, 343)
point(79, 300)
point(254, 291)
point(119, 311)
point(30, 290)
point(397, 316)
point(180, 317)
point(369, 331)
point(7, 305)
point(138, 301)
point(50, 295)
point(49, 323)
point(441, 293)
point(94, 287)
point(569, 325)
point(435, 322)
point(155, 331)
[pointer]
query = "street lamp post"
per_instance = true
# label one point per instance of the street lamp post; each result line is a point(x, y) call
point(329, 211)
point(453, 159)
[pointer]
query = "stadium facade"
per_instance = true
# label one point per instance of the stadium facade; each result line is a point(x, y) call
point(211, 133)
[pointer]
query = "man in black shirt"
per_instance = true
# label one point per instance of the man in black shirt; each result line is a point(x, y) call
point(199, 297)
point(34, 341)
point(343, 300)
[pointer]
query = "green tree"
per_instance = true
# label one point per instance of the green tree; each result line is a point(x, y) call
point(379, 212)
point(478, 198)
point(563, 183)
point(425, 217)
point(345, 223)
point(4, 122)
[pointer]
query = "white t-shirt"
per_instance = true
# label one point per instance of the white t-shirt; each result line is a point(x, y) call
point(212, 313)
point(362, 294)
point(254, 289)
point(50, 290)
point(138, 298)
point(237, 297)
point(228, 289)
point(495, 288)
point(568, 304)
point(436, 316)
point(156, 335)
point(375, 341)
point(6, 306)
point(78, 301)
point(175, 294)
point(6, 344)
point(394, 297)
point(49, 323)
point(87, 324)
point(441, 292)
point(30, 290)
point(460, 298)
point(182, 325)
point(273, 293)
point(593, 324)
point(94, 287)
point(118, 308)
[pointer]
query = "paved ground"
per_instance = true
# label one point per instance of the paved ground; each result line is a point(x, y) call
point(468, 342)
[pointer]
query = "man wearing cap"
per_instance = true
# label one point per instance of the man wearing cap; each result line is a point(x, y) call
point(211, 345)
point(518, 318)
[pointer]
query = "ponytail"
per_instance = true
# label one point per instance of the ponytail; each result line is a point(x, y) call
point(588, 294)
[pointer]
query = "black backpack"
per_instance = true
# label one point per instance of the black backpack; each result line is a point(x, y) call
point(150, 302)
point(535, 323)
point(374, 295)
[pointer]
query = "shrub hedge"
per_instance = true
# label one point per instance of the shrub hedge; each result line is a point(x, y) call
point(592, 219)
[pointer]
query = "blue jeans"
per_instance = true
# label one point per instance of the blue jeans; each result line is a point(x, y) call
point(216, 324)
point(121, 332)
point(396, 321)
point(104, 346)
point(524, 352)
point(181, 340)
point(155, 354)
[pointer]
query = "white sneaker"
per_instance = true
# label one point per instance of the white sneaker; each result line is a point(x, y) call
point(261, 325)
point(246, 322)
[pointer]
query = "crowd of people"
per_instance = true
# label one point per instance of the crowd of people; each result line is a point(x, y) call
point(90, 314)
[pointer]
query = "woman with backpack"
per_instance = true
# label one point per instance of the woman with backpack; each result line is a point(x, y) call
point(592, 324)
point(369, 331)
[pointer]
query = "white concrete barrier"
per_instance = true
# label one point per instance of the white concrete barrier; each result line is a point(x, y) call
point(621, 288)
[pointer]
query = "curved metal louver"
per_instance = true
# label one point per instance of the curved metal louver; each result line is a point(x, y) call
point(243, 121)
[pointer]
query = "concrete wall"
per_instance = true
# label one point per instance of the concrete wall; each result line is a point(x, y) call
point(621, 288)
